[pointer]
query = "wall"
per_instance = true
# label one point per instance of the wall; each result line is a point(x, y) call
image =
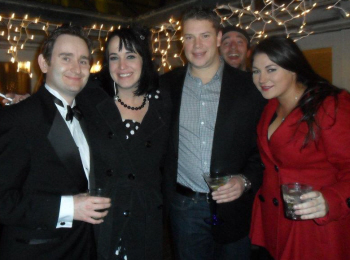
point(339, 42)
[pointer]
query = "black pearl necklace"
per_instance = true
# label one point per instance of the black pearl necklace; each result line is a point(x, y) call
point(117, 98)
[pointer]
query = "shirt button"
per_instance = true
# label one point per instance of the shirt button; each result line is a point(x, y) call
point(276, 168)
point(205, 163)
point(202, 123)
point(275, 202)
point(131, 176)
point(126, 213)
point(203, 142)
point(203, 103)
point(62, 223)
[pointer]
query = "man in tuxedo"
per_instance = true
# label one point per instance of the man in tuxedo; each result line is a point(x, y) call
point(45, 167)
point(216, 108)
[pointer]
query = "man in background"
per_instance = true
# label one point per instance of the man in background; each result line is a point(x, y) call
point(235, 47)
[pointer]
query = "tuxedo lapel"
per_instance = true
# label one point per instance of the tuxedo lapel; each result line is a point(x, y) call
point(66, 149)
point(61, 139)
point(84, 128)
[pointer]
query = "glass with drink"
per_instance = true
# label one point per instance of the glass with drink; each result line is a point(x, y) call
point(215, 181)
point(99, 192)
point(291, 196)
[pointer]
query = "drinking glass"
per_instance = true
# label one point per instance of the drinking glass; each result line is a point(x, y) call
point(214, 182)
point(99, 192)
point(291, 196)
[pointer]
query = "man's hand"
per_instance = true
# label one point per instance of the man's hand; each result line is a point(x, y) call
point(231, 191)
point(85, 207)
point(15, 98)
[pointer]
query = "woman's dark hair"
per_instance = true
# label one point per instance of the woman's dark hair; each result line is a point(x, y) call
point(285, 53)
point(134, 39)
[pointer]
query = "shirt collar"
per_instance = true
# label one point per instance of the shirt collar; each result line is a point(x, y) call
point(57, 95)
point(217, 75)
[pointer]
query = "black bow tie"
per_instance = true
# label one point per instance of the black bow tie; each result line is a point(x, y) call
point(75, 111)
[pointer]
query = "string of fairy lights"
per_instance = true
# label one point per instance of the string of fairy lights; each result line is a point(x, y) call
point(166, 38)
point(171, 32)
point(252, 18)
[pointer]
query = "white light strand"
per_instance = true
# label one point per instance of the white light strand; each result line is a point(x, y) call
point(162, 37)
point(165, 36)
point(17, 32)
point(271, 13)
point(337, 7)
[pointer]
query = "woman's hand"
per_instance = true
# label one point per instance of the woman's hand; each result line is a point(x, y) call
point(316, 207)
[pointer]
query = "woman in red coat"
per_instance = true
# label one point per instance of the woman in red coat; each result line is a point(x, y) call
point(303, 136)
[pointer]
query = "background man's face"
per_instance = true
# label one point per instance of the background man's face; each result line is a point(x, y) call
point(234, 49)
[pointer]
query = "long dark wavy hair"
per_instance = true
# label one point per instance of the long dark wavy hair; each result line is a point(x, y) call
point(134, 39)
point(285, 53)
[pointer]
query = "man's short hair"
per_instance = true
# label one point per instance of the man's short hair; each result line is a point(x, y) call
point(232, 28)
point(47, 47)
point(199, 13)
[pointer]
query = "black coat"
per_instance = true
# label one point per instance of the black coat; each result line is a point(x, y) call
point(234, 147)
point(130, 170)
point(39, 162)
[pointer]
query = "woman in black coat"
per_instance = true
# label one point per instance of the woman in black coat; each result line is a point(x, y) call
point(129, 136)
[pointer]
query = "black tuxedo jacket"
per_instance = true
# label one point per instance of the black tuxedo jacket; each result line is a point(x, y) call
point(39, 162)
point(234, 146)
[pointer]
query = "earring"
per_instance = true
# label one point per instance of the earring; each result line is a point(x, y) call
point(115, 89)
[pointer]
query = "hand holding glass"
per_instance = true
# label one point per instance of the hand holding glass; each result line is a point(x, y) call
point(214, 182)
point(291, 196)
point(99, 192)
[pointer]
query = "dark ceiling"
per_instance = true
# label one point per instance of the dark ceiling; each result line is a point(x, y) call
point(124, 8)
point(145, 12)
point(109, 12)
point(153, 13)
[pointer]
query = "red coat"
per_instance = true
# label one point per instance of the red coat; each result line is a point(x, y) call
point(324, 164)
